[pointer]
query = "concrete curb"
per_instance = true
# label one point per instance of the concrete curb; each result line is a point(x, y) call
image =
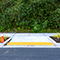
point(29, 46)
point(56, 44)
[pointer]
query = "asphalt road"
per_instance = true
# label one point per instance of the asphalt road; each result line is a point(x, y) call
point(29, 54)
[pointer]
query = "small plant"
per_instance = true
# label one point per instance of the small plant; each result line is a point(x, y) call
point(57, 36)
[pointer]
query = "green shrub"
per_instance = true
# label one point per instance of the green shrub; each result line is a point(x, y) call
point(29, 14)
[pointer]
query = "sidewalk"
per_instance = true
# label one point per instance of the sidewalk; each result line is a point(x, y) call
point(30, 40)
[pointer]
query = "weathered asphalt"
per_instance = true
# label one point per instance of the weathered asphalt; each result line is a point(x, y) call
point(29, 54)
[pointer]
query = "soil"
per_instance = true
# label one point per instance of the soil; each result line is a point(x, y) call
point(6, 39)
point(55, 39)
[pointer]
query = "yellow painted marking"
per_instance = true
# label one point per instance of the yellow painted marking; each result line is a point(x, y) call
point(29, 43)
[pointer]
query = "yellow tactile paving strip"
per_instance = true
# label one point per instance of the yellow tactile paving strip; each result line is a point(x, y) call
point(29, 43)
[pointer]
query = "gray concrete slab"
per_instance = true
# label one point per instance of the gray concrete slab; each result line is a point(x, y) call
point(36, 34)
point(19, 38)
point(50, 34)
point(29, 37)
point(30, 34)
point(7, 34)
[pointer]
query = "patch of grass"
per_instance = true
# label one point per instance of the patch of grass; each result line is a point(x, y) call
point(57, 36)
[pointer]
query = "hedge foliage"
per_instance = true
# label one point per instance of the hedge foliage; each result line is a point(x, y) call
point(33, 15)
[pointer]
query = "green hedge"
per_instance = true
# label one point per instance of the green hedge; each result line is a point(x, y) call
point(34, 15)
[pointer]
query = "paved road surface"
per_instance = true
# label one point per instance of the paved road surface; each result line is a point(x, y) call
point(29, 54)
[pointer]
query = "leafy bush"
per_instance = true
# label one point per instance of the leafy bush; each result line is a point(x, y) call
point(29, 14)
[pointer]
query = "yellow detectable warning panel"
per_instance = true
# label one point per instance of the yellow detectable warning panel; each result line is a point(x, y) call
point(29, 43)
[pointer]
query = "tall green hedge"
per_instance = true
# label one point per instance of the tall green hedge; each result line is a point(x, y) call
point(34, 15)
